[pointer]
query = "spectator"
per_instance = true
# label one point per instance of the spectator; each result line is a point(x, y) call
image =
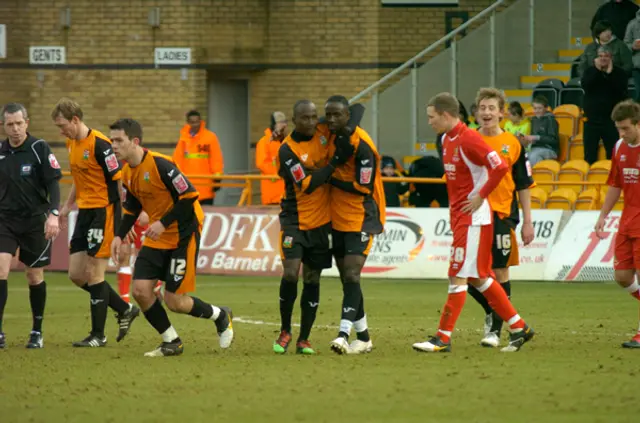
point(198, 153)
point(474, 122)
point(544, 140)
point(605, 85)
point(516, 123)
point(393, 190)
point(422, 195)
point(632, 40)
point(604, 37)
point(271, 190)
point(618, 12)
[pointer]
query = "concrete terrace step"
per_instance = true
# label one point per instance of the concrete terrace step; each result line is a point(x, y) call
point(522, 96)
point(551, 69)
point(530, 82)
point(581, 42)
point(568, 55)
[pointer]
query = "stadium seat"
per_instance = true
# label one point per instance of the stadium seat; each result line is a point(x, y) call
point(546, 171)
point(572, 93)
point(599, 171)
point(576, 148)
point(528, 111)
point(567, 116)
point(538, 197)
point(549, 88)
point(602, 152)
point(562, 198)
point(581, 126)
point(588, 200)
point(573, 171)
point(564, 147)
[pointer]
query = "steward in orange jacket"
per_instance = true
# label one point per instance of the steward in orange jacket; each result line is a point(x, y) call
point(266, 152)
point(198, 153)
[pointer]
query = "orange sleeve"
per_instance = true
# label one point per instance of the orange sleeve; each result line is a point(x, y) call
point(216, 162)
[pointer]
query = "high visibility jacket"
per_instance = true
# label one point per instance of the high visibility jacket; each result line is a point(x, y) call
point(266, 153)
point(199, 155)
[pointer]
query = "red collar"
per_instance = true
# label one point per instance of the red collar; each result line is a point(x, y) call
point(456, 130)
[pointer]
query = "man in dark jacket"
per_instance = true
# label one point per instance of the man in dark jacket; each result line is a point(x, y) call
point(544, 139)
point(604, 36)
point(605, 85)
point(619, 13)
point(392, 190)
point(424, 194)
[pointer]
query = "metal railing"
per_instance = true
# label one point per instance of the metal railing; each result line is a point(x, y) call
point(246, 198)
point(496, 70)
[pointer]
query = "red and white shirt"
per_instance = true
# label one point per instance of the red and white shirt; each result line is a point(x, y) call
point(625, 174)
point(471, 167)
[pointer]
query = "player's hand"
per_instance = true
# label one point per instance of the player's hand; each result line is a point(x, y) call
point(472, 204)
point(131, 236)
point(155, 230)
point(115, 249)
point(143, 219)
point(344, 150)
point(599, 228)
point(527, 233)
point(51, 227)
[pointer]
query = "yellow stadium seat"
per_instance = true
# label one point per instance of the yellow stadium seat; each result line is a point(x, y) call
point(562, 198)
point(528, 110)
point(546, 171)
point(573, 171)
point(619, 205)
point(576, 148)
point(564, 147)
point(599, 171)
point(538, 197)
point(581, 125)
point(567, 116)
point(588, 200)
point(602, 152)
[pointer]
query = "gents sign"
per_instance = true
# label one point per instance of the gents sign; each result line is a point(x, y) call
point(47, 55)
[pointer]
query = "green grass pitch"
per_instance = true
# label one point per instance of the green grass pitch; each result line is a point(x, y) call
point(573, 371)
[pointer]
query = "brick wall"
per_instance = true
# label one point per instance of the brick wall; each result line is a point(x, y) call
point(293, 43)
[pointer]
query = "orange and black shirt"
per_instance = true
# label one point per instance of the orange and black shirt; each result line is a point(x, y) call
point(158, 187)
point(95, 171)
point(503, 199)
point(298, 157)
point(357, 194)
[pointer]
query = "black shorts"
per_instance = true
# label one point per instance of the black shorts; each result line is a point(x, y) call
point(177, 268)
point(505, 244)
point(312, 246)
point(351, 243)
point(94, 231)
point(28, 235)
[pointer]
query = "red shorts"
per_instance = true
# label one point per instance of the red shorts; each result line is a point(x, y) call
point(626, 253)
point(471, 252)
point(139, 237)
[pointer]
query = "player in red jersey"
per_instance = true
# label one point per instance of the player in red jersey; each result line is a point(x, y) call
point(624, 177)
point(473, 171)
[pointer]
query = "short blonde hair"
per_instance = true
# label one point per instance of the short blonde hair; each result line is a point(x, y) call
point(67, 108)
point(491, 93)
point(445, 102)
point(627, 109)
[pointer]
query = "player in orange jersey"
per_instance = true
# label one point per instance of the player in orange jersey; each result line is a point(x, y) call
point(169, 253)
point(96, 174)
point(503, 200)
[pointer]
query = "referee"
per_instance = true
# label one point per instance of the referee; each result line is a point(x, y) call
point(29, 200)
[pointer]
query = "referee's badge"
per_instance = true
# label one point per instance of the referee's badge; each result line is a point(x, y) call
point(25, 170)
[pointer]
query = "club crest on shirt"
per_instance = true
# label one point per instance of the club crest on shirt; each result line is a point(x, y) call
point(25, 170)
point(146, 177)
point(53, 162)
point(112, 162)
point(287, 242)
point(323, 140)
point(505, 150)
point(85, 155)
